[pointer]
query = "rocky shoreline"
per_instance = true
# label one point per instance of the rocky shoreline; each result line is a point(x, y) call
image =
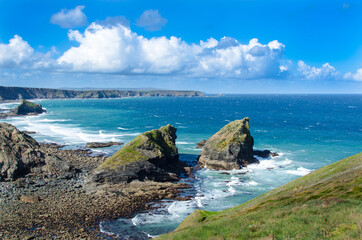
point(40, 207)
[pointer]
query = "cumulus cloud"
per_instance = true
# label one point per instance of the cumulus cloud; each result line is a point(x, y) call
point(151, 20)
point(16, 52)
point(354, 76)
point(326, 72)
point(70, 18)
point(117, 49)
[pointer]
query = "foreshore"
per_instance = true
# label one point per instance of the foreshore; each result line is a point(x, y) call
point(38, 207)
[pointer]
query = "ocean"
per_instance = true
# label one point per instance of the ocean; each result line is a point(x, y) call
point(307, 131)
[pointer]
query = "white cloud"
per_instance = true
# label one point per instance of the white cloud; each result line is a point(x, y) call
point(114, 21)
point(117, 49)
point(15, 53)
point(151, 20)
point(356, 76)
point(326, 72)
point(70, 18)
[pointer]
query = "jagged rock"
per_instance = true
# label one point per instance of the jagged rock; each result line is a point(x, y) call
point(201, 144)
point(20, 154)
point(152, 155)
point(229, 148)
point(26, 107)
point(102, 145)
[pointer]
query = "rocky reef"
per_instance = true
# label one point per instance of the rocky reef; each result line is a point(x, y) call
point(20, 154)
point(152, 155)
point(229, 148)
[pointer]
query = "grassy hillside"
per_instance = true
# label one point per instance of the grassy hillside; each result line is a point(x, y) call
point(325, 204)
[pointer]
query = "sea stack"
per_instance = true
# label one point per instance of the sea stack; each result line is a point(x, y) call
point(152, 155)
point(28, 108)
point(229, 148)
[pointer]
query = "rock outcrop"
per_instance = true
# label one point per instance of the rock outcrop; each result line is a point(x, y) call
point(26, 108)
point(229, 148)
point(152, 155)
point(102, 145)
point(20, 155)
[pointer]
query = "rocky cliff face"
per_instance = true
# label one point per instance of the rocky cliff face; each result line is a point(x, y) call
point(17, 93)
point(20, 155)
point(229, 148)
point(152, 155)
point(26, 107)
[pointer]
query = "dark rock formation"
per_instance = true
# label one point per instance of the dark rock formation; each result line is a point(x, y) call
point(20, 154)
point(201, 144)
point(229, 148)
point(102, 145)
point(26, 108)
point(152, 155)
point(265, 153)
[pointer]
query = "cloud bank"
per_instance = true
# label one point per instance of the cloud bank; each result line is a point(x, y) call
point(70, 18)
point(117, 49)
point(111, 47)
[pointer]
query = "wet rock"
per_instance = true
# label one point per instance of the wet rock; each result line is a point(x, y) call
point(265, 153)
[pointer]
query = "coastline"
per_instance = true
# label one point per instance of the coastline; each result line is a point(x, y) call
point(43, 208)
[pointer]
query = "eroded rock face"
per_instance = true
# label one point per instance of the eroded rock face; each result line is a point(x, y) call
point(152, 155)
point(20, 154)
point(229, 148)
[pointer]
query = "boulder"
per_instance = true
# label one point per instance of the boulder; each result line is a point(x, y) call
point(152, 155)
point(28, 108)
point(229, 148)
point(20, 155)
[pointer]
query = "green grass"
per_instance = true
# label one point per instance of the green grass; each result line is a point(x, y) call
point(159, 139)
point(325, 204)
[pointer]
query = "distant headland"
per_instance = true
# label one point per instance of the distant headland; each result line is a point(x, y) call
point(17, 93)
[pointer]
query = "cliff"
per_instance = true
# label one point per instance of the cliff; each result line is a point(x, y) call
point(17, 93)
point(325, 204)
point(152, 155)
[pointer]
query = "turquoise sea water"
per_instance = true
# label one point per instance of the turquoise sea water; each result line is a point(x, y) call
point(308, 131)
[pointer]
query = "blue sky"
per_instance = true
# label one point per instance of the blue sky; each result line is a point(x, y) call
point(229, 46)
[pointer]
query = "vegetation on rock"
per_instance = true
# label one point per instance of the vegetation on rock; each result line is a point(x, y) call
point(26, 107)
point(152, 155)
point(230, 147)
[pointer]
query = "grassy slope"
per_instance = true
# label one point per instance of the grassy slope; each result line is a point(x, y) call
point(325, 204)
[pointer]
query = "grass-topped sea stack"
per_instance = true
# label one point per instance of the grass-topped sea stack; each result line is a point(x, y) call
point(28, 108)
point(152, 155)
point(229, 148)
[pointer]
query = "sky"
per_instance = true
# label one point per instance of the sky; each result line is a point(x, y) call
point(229, 46)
